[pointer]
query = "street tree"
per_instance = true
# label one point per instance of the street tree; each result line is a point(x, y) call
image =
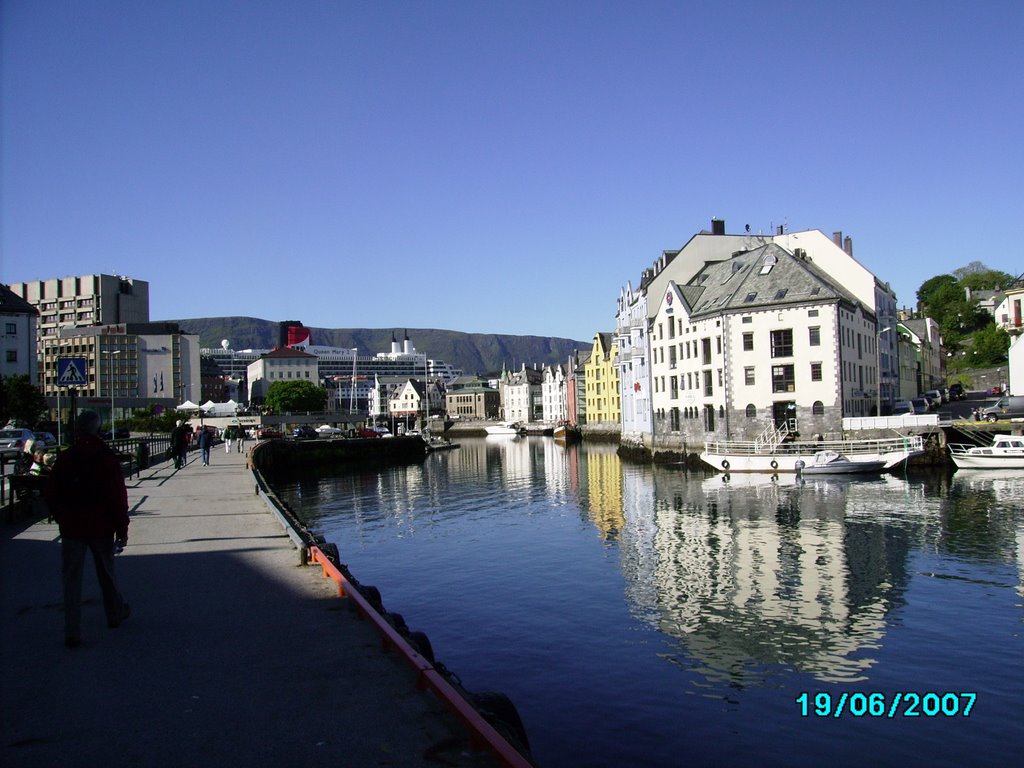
point(295, 397)
point(21, 401)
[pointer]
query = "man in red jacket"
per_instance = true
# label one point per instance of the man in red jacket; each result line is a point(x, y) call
point(88, 498)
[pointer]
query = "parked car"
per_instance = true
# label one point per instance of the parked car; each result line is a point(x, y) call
point(901, 407)
point(997, 390)
point(944, 392)
point(120, 433)
point(326, 430)
point(920, 405)
point(13, 439)
point(268, 433)
point(1009, 407)
point(934, 398)
point(305, 432)
point(46, 438)
point(956, 392)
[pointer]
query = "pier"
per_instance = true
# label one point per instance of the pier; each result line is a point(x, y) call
point(235, 654)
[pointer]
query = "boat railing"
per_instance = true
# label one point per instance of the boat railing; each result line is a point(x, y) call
point(911, 444)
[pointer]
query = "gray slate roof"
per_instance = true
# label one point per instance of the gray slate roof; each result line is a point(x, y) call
point(743, 283)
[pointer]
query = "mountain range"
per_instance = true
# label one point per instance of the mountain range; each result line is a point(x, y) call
point(472, 352)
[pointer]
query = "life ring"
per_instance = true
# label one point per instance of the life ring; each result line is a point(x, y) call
point(775, 464)
point(725, 464)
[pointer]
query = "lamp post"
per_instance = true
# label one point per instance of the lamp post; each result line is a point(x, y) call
point(878, 356)
point(110, 363)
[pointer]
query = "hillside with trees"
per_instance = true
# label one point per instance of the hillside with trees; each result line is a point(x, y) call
point(970, 334)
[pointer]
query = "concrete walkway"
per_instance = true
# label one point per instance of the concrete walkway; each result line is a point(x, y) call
point(234, 653)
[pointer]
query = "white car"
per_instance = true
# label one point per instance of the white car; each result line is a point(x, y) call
point(326, 430)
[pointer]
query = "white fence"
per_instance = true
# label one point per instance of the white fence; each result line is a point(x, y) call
point(892, 422)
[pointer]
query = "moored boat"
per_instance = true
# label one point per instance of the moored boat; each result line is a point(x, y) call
point(567, 433)
point(508, 428)
point(772, 452)
point(835, 463)
point(1006, 452)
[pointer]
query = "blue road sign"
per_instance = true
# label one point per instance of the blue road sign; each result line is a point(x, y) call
point(71, 372)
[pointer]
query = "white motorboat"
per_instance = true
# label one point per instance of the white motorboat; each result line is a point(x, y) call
point(1006, 452)
point(835, 463)
point(508, 428)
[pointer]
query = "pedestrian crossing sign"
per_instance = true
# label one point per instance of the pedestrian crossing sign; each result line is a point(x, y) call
point(71, 372)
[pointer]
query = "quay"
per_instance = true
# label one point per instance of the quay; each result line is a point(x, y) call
point(234, 654)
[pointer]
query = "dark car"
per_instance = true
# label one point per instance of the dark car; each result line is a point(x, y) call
point(956, 392)
point(304, 433)
point(268, 433)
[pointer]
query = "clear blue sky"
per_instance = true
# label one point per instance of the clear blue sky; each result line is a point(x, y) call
point(494, 167)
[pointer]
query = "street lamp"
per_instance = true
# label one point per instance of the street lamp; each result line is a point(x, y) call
point(878, 357)
point(110, 363)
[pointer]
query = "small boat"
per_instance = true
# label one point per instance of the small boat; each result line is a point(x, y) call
point(567, 433)
point(1006, 452)
point(835, 463)
point(508, 428)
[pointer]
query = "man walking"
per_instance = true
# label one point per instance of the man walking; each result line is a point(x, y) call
point(88, 498)
point(205, 443)
point(179, 444)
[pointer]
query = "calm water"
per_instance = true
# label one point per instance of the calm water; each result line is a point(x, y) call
point(642, 616)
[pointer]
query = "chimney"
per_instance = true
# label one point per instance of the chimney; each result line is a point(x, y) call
point(837, 238)
point(848, 246)
point(718, 226)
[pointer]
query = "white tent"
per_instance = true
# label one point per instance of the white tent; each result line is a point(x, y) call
point(210, 408)
point(188, 405)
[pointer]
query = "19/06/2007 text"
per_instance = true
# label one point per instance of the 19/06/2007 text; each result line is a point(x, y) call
point(877, 704)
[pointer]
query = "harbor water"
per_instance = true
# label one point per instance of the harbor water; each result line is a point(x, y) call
point(648, 616)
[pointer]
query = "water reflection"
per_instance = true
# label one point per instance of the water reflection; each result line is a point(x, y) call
point(745, 580)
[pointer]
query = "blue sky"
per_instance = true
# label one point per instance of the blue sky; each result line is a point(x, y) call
point(494, 167)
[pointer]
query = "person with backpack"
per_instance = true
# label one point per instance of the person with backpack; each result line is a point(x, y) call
point(88, 499)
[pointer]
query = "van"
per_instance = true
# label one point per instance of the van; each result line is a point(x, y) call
point(1006, 407)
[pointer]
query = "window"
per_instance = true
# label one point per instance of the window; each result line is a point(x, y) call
point(812, 313)
point(748, 319)
point(782, 343)
point(783, 378)
point(12, 355)
point(709, 388)
point(748, 375)
point(814, 336)
point(674, 382)
point(706, 351)
point(748, 342)
point(781, 294)
point(815, 371)
point(818, 409)
point(751, 411)
point(12, 329)
point(750, 298)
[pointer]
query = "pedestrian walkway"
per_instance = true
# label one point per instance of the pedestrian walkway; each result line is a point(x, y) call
point(234, 653)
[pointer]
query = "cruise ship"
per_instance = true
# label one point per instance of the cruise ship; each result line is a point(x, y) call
point(338, 368)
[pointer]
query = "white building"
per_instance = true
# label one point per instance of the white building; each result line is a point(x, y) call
point(284, 364)
point(759, 340)
point(521, 395)
point(833, 257)
point(18, 320)
point(1009, 315)
point(554, 395)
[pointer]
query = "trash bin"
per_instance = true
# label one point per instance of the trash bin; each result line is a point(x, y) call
point(142, 455)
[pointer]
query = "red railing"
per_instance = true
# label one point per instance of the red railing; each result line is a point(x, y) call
point(482, 734)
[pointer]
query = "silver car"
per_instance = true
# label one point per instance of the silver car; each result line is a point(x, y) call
point(13, 439)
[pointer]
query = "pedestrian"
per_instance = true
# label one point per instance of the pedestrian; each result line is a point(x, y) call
point(89, 501)
point(179, 445)
point(205, 442)
point(240, 437)
point(228, 433)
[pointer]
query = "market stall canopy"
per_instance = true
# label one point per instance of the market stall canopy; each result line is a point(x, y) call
point(210, 408)
point(188, 405)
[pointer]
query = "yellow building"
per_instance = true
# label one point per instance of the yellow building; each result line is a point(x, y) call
point(602, 377)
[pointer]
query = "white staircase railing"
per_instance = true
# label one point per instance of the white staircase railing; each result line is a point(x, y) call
point(772, 436)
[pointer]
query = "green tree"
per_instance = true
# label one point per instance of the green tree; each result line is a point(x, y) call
point(990, 346)
point(295, 397)
point(147, 419)
point(20, 401)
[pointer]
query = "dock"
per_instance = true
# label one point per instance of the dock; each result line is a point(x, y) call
point(234, 654)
